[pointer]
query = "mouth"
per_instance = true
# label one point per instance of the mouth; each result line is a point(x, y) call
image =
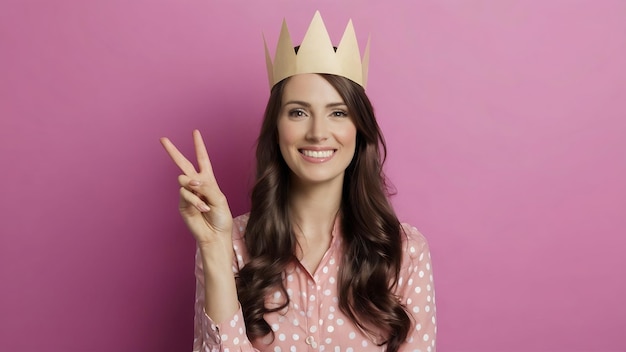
point(317, 154)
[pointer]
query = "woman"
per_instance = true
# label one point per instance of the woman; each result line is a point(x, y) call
point(321, 262)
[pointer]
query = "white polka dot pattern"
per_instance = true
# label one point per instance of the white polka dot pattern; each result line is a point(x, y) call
point(313, 321)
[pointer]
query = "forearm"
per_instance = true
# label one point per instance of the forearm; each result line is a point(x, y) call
point(220, 291)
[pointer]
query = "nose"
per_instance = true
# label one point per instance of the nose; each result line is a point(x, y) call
point(318, 129)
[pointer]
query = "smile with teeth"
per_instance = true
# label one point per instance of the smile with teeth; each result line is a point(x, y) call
point(318, 153)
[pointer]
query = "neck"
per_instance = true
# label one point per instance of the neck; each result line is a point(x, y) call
point(315, 208)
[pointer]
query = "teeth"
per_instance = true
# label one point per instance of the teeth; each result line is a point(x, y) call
point(318, 154)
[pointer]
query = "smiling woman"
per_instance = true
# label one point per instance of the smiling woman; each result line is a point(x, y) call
point(321, 260)
point(316, 134)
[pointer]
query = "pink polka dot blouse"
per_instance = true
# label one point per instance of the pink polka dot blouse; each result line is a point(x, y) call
point(313, 321)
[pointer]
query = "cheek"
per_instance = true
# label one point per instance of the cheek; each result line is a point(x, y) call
point(347, 135)
point(286, 136)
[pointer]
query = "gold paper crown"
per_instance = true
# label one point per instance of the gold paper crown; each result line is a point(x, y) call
point(316, 54)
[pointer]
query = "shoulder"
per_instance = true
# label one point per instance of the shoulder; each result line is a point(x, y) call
point(239, 226)
point(414, 244)
point(239, 241)
point(416, 268)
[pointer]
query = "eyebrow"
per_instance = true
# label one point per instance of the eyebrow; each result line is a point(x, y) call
point(308, 105)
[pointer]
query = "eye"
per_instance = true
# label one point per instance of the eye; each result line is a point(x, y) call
point(297, 113)
point(340, 113)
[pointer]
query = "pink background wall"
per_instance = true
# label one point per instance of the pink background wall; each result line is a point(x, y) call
point(505, 122)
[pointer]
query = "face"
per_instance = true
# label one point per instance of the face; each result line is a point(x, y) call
point(316, 134)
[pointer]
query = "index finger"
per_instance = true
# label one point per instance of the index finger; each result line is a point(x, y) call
point(179, 159)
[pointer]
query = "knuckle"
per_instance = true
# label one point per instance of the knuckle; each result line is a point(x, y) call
point(207, 186)
point(184, 193)
point(220, 197)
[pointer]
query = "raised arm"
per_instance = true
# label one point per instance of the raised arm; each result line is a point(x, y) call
point(205, 210)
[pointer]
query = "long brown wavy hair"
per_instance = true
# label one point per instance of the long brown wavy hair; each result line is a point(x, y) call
point(372, 246)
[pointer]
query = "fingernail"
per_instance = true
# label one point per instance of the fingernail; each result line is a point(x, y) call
point(203, 207)
point(194, 183)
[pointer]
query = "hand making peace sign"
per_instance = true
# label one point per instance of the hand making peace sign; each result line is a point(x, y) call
point(202, 205)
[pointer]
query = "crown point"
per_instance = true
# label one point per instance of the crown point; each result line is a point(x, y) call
point(316, 50)
point(366, 62)
point(285, 59)
point(268, 63)
point(348, 54)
